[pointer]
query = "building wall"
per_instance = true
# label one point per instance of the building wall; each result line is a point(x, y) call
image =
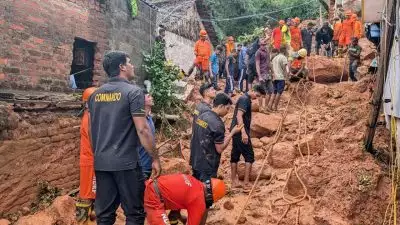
point(38, 36)
point(179, 50)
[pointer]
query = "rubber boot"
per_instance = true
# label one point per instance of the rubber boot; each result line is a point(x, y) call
point(84, 211)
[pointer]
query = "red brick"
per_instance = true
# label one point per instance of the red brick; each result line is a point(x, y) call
point(37, 40)
point(17, 27)
point(3, 61)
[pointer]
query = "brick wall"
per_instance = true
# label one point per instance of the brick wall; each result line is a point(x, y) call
point(37, 38)
point(37, 144)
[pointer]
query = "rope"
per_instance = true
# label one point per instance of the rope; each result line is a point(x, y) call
point(277, 135)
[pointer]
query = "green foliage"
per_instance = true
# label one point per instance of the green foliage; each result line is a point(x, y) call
point(221, 9)
point(134, 8)
point(257, 32)
point(46, 195)
point(161, 74)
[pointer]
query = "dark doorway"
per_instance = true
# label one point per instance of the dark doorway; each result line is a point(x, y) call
point(82, 63)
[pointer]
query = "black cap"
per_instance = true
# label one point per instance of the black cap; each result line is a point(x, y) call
point(222, 99)
point(204, 87)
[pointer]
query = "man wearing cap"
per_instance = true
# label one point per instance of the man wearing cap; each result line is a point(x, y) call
point(180, 191)
point(202, 51)
point(262, 67)
point(295, 31)
point(277, 35)
point(118, 126)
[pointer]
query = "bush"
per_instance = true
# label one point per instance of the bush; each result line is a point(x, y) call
point(161, 74)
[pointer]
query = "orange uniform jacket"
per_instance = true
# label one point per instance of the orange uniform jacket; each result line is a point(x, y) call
point(347, 32)
point(202, 50)
point(179, 191)
point(276, 37)
point(357, 29)
point(337, 30)
point(86, 153)
point(296, 38)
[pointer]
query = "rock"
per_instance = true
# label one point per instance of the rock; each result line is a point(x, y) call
point(264, 125)
point(259, 154)
point(25, 211)
point(265, 175)
point(228, 205)
point(4, 222)
point(174, 165)
point(282, 155)
point(62, 211)
point(256, 143)
point(242, 220)
point(327, 70)
point(315, 143)
point(368, 49)
point(362, 71)
point(267, 140)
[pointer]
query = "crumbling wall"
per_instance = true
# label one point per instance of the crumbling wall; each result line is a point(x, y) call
point(39, 141)
point(37, 38)
point(179, 50)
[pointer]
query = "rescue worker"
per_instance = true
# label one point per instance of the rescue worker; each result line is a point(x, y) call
point(118, 126)
point(354, 56)
point(286, 37)
point(229, 46)
point(295, 32)
point(323, 37)
point(357, 27)
point(87, 181)
point(298, 68)
point(180, 191)
point(337, 30)
point(202, 51)
point(241, 142)
point(306, 35)
point(276, 37)
point(144, 157)
point(347, 33)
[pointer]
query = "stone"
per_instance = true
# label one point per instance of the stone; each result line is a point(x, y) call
point(4, 222)
point(315, 144)
point(282, 155)
point(256, 143)
point(228, 205)
point(256, 167)
point(267, 140)
point(264, 125)
point(174, 165)
point(25, 210)
point(242, 220)
point(259, 154)
point(368, 49)
point(327, 70)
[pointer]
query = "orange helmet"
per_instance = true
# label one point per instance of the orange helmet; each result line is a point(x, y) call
point(218, 189)
point(281, 22)
point(87, 93)
point(203, 33)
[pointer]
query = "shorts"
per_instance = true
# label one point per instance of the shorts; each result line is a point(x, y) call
point(204, 176)
point(239, 148)
point(87, 184)
point(279, 86)
point(268, 86)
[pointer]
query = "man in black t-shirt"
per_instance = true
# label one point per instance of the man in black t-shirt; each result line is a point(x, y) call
point(208, 93)
point(241, 144)
point(117, 127)
point(209, 140)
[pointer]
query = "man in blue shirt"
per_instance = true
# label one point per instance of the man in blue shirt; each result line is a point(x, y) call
point(214, 66)
point(242, 66)
point(145, 158)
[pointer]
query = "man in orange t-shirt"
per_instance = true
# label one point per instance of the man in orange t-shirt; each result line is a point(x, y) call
point(180, 191)
point(296, 41)
point(202, 51)
point(87, 184)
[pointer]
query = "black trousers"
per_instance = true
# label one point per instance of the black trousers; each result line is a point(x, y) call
point(120, 187)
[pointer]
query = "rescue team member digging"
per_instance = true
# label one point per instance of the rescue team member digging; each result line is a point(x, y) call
point(209, 140)
point(180, 191)
point(87, 181)
point(117, 126)
point(144, 157)
point(241, 144)
point(208, 94)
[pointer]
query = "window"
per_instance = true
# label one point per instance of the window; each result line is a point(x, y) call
point(82, 64)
